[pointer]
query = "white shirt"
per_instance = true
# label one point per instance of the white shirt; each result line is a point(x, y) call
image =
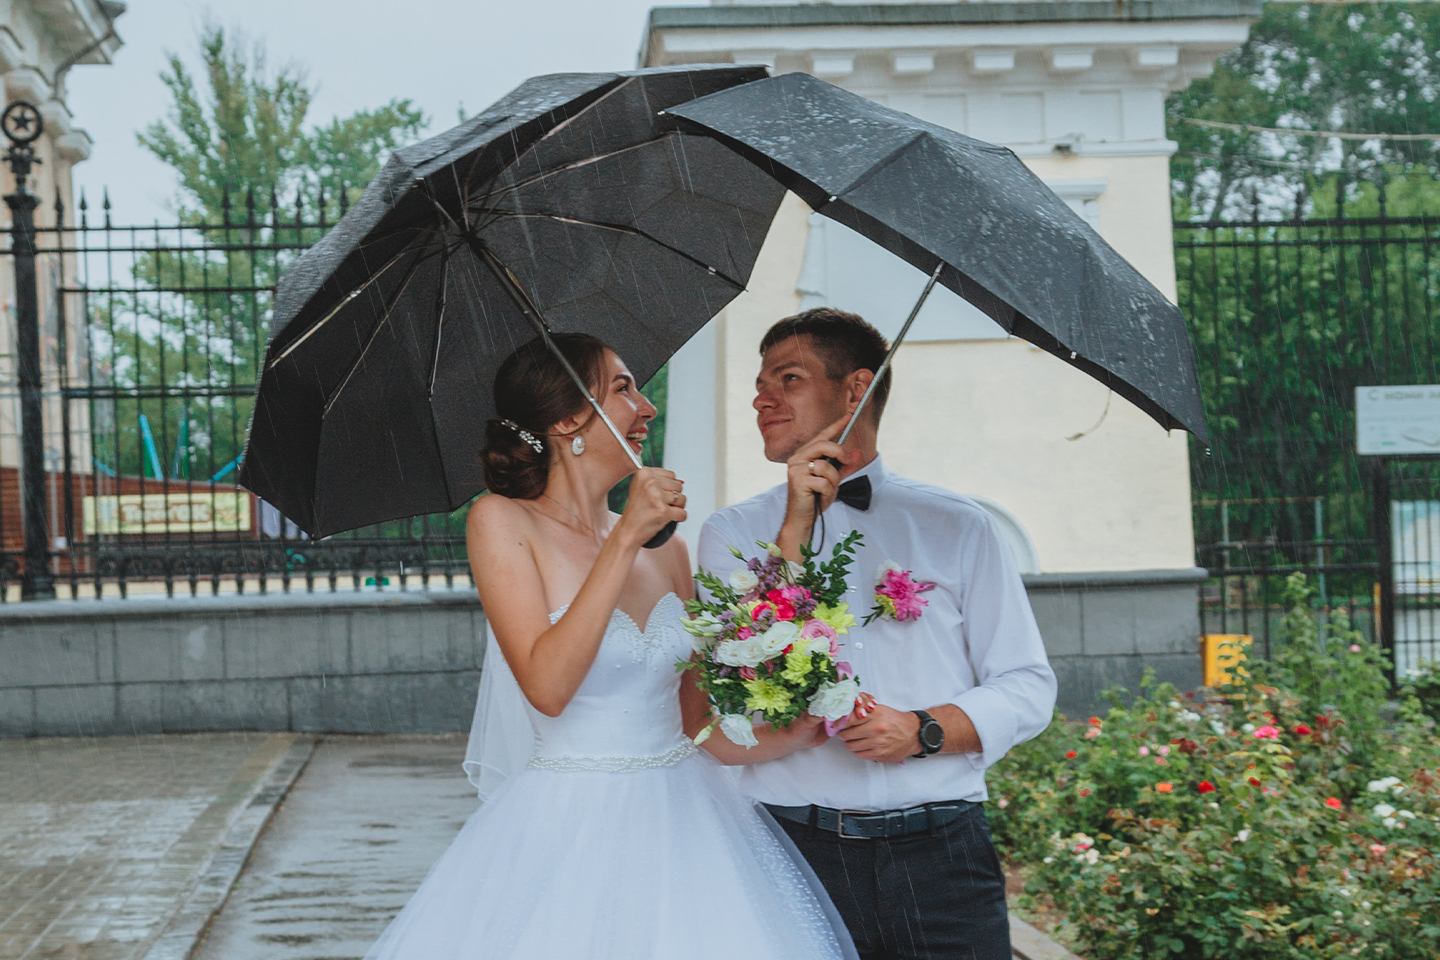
point(975, 645)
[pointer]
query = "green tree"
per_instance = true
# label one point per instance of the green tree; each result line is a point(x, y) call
point(1355, 68)
point(257, 183)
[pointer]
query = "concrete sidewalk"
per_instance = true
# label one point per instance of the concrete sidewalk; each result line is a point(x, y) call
point(353, 840)
point(110, 848)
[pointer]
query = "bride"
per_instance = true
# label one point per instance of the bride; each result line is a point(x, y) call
point(605, 832)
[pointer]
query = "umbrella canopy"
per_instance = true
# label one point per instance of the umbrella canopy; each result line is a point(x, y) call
point(1007, 243)
point(566, 201)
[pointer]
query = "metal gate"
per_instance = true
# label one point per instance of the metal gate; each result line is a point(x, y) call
point(1288, 317)
point(151, 340)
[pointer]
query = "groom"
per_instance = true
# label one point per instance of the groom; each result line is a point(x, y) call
point(888, 812)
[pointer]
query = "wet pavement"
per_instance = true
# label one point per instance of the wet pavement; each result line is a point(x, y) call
point(345, 850)
point(103, 841)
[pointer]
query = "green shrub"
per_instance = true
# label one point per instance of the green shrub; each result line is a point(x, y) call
point(1423, 683)
point(1282, 817)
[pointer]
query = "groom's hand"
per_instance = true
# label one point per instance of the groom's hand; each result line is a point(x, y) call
point(882, 733)
point(808, 473)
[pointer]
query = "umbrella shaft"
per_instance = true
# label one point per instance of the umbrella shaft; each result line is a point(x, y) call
point(885, 365)
point(590, 398)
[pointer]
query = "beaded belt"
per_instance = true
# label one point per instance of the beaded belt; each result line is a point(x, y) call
point(620, 764)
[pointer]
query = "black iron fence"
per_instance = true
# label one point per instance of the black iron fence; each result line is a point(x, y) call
point(152, 339)
point(1288, 317)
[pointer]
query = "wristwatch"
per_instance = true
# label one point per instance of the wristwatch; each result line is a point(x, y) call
point(932, 735)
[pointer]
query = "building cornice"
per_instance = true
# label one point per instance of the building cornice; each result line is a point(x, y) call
point(941, 14)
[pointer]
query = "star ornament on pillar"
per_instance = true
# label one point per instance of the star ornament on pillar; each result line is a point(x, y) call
point(22, 123)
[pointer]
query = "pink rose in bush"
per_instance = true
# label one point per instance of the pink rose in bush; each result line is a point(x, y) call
point(1267, 732)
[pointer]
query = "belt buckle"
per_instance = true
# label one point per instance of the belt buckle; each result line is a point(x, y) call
point(840, 824)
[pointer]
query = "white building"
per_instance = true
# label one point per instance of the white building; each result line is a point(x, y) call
point(41, 41)
point(1094, 496)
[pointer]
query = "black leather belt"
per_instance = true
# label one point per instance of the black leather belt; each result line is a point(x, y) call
point(867, 825)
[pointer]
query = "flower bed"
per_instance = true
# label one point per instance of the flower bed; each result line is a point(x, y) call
point(1289, 815)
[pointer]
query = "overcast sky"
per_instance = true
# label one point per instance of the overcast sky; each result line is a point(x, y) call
point(357, 54)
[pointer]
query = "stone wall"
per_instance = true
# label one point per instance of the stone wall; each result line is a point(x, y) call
point(410, 662)
point(344, 663)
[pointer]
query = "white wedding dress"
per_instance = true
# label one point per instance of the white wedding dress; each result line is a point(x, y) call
point(619, 839)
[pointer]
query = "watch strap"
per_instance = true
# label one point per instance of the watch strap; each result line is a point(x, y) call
point(925, 719)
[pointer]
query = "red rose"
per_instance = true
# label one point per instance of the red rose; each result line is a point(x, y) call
point(1206, 787)
point(1254, 782)
point(774, 596)
point(1333, 803)
point(785, 610)
point(1071, 754)
point(1303, 730)
point(1084, 792)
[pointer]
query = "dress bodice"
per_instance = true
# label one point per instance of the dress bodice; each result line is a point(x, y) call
point(627, 710)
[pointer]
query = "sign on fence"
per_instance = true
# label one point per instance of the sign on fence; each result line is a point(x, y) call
point(1394, 421)
point(129, 513)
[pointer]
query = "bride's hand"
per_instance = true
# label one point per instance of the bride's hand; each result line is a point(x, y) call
point(656, 497)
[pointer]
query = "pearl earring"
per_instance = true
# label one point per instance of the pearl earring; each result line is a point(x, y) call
point(577, 446)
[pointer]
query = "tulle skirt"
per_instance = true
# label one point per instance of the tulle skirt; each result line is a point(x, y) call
point(670, 863)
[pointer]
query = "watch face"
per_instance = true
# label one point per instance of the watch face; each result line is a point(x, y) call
point(933, 735)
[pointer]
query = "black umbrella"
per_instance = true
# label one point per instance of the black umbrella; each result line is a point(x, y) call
point(998, 236)
point(564, 207)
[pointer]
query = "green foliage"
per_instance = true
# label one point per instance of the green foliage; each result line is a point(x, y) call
point(1367, 68)
point(247, 132)
point(251, 174)
point(1267, 821)
point(1423, 686)
point(829, 583)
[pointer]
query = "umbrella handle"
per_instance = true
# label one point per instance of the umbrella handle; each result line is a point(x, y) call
point(666, 532)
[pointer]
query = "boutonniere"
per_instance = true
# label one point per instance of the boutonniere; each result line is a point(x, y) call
point(897, 594)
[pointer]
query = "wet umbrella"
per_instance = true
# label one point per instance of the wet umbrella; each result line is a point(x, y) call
point(564, 207)
point(996, 234)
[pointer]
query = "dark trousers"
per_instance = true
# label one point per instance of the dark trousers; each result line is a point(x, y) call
point(936, 896)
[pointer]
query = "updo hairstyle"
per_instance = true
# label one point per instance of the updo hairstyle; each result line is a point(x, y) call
point(533, 391)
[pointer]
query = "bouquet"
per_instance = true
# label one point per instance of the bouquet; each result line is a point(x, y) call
point(767, 642)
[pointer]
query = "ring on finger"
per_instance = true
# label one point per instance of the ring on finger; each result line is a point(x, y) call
point(810, 466)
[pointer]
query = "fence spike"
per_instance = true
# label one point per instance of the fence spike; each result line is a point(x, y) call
point(299, 209)
point(1340, 198)
point(106, 205)
point(59, 208)
point(320, 200)
point(83, 208)
point(344, 198)
point(225, 206)
point(274, 209)
point(250, 206)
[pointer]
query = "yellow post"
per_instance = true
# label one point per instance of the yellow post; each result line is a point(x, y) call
point(1222, 653)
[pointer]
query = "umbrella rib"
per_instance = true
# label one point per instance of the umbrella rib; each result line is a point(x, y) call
point(294, 344)
point(622, 228)
point(574, 165)
point(380, 325)
point(886, 161)
point(439, 322)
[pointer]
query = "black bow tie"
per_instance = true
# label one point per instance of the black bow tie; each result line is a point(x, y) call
point(855, 493)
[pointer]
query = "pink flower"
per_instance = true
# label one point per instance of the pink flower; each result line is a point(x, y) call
point(844, 669)
point(793, 593)
point(818, 629)
point(1354, 648)
point(1092, 733)
point(1377, 848)
point(1162, 761)
point(904, 591)
point(744, 633)
point(1163, 751)
point(1144, 751)
point(747, 673)
point(1267, 732)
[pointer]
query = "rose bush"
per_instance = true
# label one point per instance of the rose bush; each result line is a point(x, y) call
point(1281, 817)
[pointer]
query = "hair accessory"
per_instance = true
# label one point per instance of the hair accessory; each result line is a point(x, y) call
point(525, 435)
point(577, 446)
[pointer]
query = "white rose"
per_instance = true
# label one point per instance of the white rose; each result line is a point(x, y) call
point(740, 653)
point(1218, 727)
point(1406, 814)
point(777, 638)
point(1189, 716)
point(1244, 835)
point(1384, 810)
point(739, 729)
point(742, 580)
point(834, 701)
